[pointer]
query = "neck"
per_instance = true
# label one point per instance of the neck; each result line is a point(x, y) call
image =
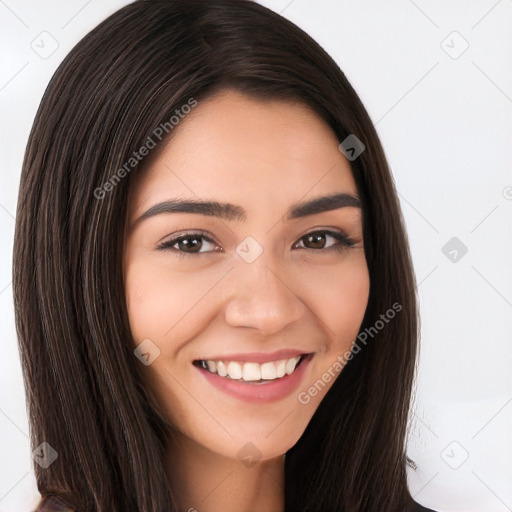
point(204, 481)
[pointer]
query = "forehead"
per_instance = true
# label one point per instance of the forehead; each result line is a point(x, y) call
point(248, 151)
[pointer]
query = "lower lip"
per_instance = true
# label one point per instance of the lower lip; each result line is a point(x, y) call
point(270, 391)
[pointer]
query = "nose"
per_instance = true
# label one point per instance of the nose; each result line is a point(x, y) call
point(262, 298)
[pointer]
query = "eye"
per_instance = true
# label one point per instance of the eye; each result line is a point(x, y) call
point(189, 243)
point(194, 242)
point(318, 240)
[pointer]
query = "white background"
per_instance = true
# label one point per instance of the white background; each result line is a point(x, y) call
point(445, 120)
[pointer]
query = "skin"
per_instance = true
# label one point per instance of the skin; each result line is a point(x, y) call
point(263, 156)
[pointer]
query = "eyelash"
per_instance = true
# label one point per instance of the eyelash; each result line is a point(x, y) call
point(346, 242)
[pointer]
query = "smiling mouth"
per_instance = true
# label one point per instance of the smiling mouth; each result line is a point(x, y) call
point(251, 371)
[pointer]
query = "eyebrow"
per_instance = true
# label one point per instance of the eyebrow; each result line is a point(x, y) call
point(230, 211)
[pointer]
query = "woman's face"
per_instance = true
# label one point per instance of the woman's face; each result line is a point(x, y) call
point(245, 290)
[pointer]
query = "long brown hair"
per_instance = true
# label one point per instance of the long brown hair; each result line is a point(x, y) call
point(86, 397)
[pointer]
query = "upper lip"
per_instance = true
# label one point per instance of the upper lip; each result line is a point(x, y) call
point(257, 357)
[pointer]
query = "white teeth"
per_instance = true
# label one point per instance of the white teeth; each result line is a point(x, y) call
point(280, 369)
point(221, 368)
point(234, 370)
point(290, 365)
point(268, 371)
point(252, 371)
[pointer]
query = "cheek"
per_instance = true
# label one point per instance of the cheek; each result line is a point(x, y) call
point(161, 302)
point(348, 305)
point(339, 296)
point(147, 291)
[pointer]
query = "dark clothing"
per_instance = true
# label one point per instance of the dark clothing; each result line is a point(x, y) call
point(416, 507)
point(55, 504)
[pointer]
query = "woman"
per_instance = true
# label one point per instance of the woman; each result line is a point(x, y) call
point(214, 294)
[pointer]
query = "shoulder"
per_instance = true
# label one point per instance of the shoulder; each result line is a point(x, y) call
point(52, 503)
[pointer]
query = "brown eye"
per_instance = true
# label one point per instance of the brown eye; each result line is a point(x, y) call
point(189, 243)
point(318, 240)
point(315, 241)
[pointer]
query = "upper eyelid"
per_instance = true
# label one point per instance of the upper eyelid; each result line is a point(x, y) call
point(184, 233)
